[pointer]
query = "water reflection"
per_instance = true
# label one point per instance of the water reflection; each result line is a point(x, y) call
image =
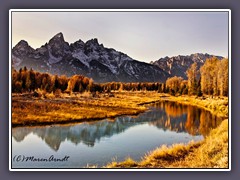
point(186, 118)
point(163, 115)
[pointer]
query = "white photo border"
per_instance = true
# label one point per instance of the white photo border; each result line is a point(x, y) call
point(118, 10)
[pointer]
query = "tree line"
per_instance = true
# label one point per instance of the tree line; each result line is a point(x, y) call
point(26, 80)
point(211, 79)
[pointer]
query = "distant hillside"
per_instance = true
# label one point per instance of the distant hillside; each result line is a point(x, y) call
point(178, 65)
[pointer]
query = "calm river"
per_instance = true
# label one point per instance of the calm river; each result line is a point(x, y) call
point(99, 142)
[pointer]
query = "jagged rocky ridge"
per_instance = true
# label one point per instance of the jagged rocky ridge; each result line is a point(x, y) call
point(102, 64)
point(178, 65)
point(90, 59)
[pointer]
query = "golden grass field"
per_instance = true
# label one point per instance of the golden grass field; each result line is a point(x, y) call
point(212, 152)
point(28, 110)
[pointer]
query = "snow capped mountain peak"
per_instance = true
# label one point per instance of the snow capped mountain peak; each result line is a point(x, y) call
point(98, 62)
point(57, 39)
point(93, 41)
point(58, 36)
point(93, 45)
point(22, 43)
point(22, 48)
point(77, 45)
point(57, 46)
point(90, 59)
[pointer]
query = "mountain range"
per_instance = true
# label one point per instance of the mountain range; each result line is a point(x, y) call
point(178, 65)
point(102, 64)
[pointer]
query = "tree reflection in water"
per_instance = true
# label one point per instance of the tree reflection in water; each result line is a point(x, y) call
point(169, 116)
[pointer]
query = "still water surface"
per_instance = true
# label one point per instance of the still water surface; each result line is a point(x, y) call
point(97, 143)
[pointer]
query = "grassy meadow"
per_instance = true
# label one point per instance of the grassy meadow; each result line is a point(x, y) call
point(29, 110)
point(212, 152)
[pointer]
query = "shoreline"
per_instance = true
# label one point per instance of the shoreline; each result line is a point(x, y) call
point(218, 107)
point(74, 121)
point(212, 152)
point(76, 108)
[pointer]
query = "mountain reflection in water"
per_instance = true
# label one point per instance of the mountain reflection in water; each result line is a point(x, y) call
point(169, 116)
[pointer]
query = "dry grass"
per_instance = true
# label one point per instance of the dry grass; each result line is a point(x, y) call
point(27, 110)
point(217, 105)
point(48, 109)
point(212, 152)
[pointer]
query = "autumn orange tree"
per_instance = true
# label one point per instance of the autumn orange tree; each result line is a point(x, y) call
point(173, 84)
point(223, 78)
point(192, 74)
point(214, 77)
point(212, 80)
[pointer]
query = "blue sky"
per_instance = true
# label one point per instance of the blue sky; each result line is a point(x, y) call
point(144, 36)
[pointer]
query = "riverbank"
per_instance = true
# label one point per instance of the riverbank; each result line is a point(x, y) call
point(28, 110)
point(212, 152)
point(216, 105)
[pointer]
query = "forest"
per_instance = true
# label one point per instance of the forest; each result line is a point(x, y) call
point(211, 79)
point(42, 99)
